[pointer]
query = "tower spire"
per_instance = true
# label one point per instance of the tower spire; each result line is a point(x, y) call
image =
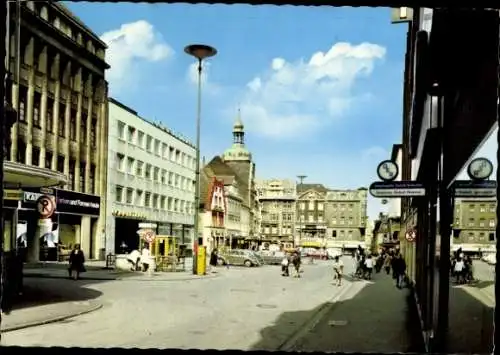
point(238, 129)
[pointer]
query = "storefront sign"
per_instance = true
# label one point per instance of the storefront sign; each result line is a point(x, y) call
point(77, 203)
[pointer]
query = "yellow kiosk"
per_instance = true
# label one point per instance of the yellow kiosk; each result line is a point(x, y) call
point(166, 252)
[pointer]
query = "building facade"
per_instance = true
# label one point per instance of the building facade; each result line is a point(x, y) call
point(311, 225)
point(57, 90)
point(345, 213)
point(474, 228)
point(151, 174)
point(277, 210)
point(212, 215)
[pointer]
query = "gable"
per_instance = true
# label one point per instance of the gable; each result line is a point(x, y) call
point(311, 195)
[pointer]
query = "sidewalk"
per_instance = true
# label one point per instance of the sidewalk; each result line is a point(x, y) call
point(370, 317)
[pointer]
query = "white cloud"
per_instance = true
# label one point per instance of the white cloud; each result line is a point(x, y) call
point(296, 98)
point(132, 42)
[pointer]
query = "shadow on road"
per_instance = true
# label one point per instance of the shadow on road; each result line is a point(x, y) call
point(379, 318)
point(41, 291)
point(471, 323)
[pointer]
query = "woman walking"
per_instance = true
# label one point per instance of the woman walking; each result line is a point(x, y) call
point(76, 263)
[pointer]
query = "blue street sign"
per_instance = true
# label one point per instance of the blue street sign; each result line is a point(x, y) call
point(397, 189)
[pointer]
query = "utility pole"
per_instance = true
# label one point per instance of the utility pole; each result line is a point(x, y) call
point(301, 183)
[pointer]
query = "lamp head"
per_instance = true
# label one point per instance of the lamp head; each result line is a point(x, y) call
point(200, 51)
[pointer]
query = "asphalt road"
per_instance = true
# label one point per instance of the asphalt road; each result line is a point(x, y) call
point(246, 309)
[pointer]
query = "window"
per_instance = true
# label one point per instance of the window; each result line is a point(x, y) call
point(491, 237)
point(130, 195)
point(169, 203)
point(155, 201)
point(72, 127)
point(164, 151)
point(342, 220)
point(36, 113)
point(350, 221)
point(119, 194)
point(482, 237)
point(138, 198)
point(131, 134)
point(121, 130)
point(320, 206)
point(482, 222)
point(183, 159)
point(163, 176)
point(320, 218)
point(138, 168)
point(302, 206)
point(149, 143)
point(140, 139)
point(176, 180)
point(157, 147)
point(482, 208)
point(147, 174)
point(170, 178)
point(177, 156)
point(48, 160)
point(120, 158)
point(36, 157)
point(163, 202)
point(147, 199)
point(470, 237)
point(130, 165)
point(92, 179)
point(83, 129)
point(57, 23)
point(471, 222)
point(60, 163)
point(334, 234)
point(44, 14)
point(176, 205)
point(62, 129)
point(171, 153)
point(156, 174)
point(492, 223)
point(471, 208)
point(49, 119)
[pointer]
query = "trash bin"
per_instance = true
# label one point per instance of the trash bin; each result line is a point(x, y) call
point(102, 254)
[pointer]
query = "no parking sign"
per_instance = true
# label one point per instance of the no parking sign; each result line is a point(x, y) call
point(148, 236)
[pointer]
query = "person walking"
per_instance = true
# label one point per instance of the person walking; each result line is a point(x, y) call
point(296, 264)
point(399, 269)
point(76, 263)
point(368, 267)
point(213, 259)
point(285, 266)
point(338, 269)
point(459, 270)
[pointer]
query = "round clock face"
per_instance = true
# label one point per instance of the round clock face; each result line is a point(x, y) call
point(387, 170)
point(480, 169)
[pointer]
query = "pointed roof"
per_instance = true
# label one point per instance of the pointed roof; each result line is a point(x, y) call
point(238, 123)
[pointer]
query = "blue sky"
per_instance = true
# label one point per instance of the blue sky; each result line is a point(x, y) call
point(320, 88)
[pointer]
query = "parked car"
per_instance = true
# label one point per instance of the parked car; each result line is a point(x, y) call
point(490, 258)
point(244, 257)
point(272, 257)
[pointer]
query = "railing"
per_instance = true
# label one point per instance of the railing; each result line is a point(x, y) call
point(110, 261)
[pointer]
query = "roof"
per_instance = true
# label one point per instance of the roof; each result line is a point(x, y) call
point(305, 187)
point(218, 168)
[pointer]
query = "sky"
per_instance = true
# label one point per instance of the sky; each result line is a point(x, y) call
point(319, 88)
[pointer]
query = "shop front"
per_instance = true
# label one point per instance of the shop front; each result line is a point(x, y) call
point(74, 221)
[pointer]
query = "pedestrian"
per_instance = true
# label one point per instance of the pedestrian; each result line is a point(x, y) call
point(296, 264)
point(76, 263)
point(284, 266)
point(145, 258)
point(368, 267)
point(387, 264)
point(399, 269)
point(338, 269)
point(213, 259)
point(459, 269)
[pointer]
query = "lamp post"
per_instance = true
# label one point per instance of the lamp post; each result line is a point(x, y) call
point(200, 52)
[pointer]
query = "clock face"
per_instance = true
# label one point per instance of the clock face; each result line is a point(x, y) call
point(387, 170)
point(480, 169)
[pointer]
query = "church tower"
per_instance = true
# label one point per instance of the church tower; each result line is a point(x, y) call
point(239, 158)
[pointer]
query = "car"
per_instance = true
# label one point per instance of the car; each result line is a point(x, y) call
point(272, 257)
point(244, 257)
point(490, 258)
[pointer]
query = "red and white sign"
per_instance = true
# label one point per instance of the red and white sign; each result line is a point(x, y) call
point(149, 235)
point(45, 206)
point(411, 235)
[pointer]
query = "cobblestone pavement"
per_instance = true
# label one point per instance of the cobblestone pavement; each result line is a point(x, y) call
point(243, 308)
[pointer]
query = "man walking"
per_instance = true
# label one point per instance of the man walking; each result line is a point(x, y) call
point(368, 267)
point(338, 269)
point(399, 268)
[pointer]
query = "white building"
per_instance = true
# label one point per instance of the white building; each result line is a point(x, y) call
point(151, 175)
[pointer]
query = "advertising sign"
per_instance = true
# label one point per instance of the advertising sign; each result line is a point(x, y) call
point(201, 260)
point(77, 203)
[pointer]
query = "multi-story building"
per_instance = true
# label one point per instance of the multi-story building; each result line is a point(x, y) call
point(277, 208)
point(311, 225)
point(345, 215)
point(151, 174)
point(212, 213)
point(57, 90)
point(474, 227)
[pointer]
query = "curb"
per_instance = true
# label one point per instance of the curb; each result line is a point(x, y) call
point(51, 320)
point(120, 278)
point(150, 279)
point(309, 325)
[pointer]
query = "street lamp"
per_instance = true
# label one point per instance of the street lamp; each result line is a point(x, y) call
point(200, 52)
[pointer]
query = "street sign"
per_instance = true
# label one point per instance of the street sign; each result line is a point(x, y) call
point(478, 188)
point(411, 235)
point(148, 235)
point(480, 169)
point(387, 170)
point(396, 189)
point(45, 206)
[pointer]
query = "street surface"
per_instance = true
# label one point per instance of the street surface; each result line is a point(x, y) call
point(236, 310)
